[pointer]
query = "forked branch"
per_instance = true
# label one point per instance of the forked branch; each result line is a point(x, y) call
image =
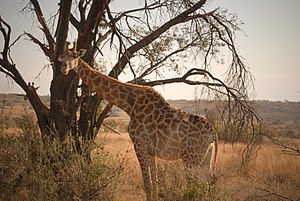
point(9, 68)
point(42, 21)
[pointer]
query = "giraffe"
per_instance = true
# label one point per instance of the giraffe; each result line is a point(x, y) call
point(156, 128)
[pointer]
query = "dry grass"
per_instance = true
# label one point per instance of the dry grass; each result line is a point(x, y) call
point(130, 182)
point(271, 175)
point(271, 171)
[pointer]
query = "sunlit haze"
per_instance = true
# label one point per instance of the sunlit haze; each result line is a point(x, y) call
point(270, 47)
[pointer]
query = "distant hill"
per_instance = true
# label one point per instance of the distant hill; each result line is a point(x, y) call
point(283, 114)
point(19, 100)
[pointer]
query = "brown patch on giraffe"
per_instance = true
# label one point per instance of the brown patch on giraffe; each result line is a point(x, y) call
point(87, 72)
point(176, 137)
point(122, 89)
point(160, 143)
point(158, 106)
point(148, 119)
point(155, 112)
point(146, 101)
point(80, 73)
point(109, 97)
point(150, 127)
point(122, 96)
point(160, 118)
point(168, 121)
point(163, 136)
point(162, 126)
point(105, 89)
point(90, 83)
point(183, 126)
point(207, 126)
point(132, 94)
point(149, 108)
point(140, 116)
point(169, 115)
point(150, 97)
point(120, 102)
point(114, 85)
point(129, 90)
point(115, 93)
point(130, 100)
point(174, 124)
point(162, 102)
point(93, 75)
point(105, 82)
point(97, 81)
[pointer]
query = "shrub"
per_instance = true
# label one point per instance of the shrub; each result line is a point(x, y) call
point(172, 186)
point(31, 169)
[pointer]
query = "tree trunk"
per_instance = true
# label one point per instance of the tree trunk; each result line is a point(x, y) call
point(60, 84)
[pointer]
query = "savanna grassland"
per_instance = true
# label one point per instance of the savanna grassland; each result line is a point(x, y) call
point(270, 175)
point(29, 172)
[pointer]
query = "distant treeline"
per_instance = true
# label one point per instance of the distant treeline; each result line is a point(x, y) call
point(284, 114)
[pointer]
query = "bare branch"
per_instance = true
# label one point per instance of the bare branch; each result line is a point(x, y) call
point(42, 21)
point(10, 70)
point(154, 66)
point(47, 51)
point(102, 116)
point(6, 35)
point(128, 53)
point(110, 128)
point(288, 145)
point(275, 194)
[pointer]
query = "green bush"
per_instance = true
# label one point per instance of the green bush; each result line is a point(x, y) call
point(173, 187)
point(31, 169)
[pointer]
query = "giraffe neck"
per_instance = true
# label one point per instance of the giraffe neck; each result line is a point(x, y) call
point(123, 95)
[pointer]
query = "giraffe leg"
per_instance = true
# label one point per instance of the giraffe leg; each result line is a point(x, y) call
point(143, 157)
point(153, 178)
point(145, 167)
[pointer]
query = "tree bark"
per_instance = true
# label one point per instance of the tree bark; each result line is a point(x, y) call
point(60, 84)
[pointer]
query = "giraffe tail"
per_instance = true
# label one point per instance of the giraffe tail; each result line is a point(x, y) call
point(213, 160)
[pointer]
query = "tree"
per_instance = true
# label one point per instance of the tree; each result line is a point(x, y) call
point(155, 37)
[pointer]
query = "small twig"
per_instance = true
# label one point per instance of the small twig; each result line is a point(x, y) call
point(289, 148)
point(275, 194)
point(110, 128)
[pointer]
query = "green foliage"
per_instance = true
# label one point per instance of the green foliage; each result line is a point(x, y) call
point(31, 169)
point(26, 122)
point(193, 192)
point(172, 187)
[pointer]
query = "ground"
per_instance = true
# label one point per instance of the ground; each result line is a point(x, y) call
point(271, 174)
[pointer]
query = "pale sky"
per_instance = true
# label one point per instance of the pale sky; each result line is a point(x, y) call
point(271, 47)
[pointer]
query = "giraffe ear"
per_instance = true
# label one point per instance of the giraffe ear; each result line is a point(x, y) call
point(81, 52)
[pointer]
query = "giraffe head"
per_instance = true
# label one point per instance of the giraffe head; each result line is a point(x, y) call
point(70, 57)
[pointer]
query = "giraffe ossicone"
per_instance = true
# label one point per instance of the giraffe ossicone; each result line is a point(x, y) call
point(156, 128)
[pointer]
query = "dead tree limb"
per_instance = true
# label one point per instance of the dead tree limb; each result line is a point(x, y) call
point(9, 68)
point(271, 193)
